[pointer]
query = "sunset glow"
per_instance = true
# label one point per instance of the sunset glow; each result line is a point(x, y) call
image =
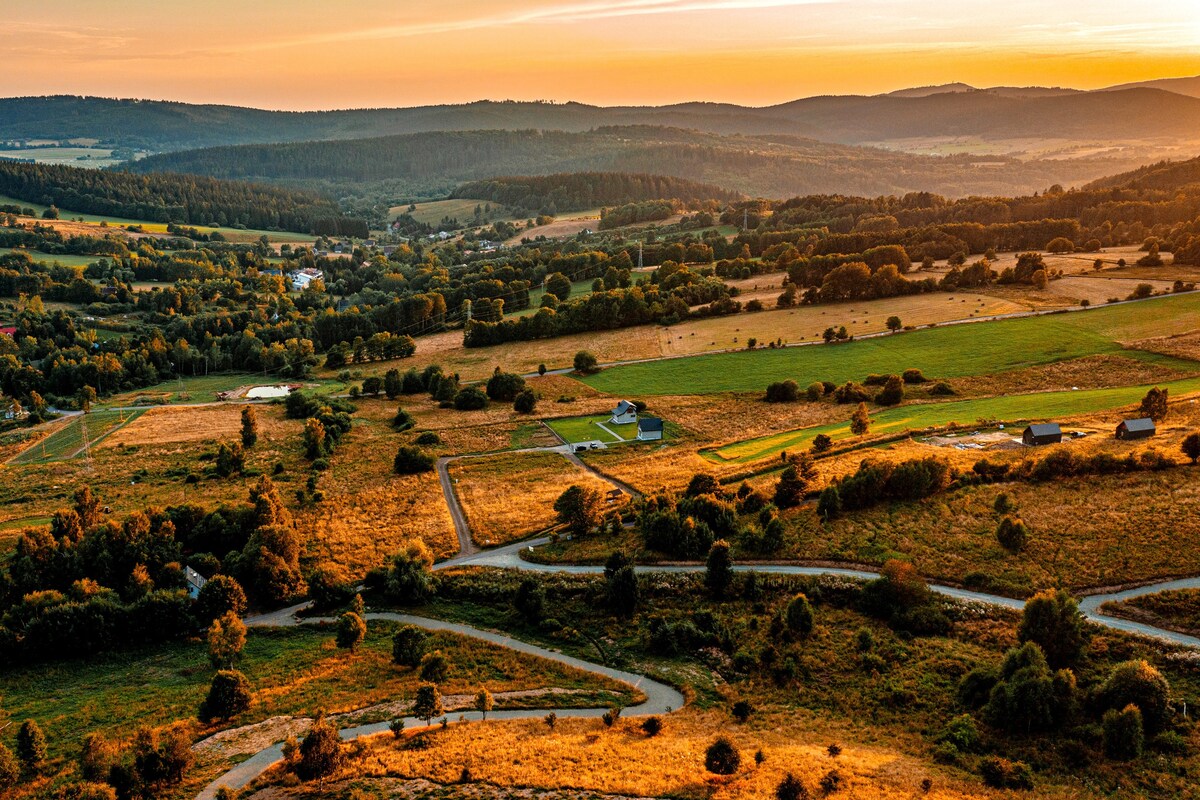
point(306, 54)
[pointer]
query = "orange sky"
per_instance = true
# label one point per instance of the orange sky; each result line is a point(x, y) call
point(307, 54)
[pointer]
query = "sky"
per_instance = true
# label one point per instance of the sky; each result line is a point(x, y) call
point(322, 54)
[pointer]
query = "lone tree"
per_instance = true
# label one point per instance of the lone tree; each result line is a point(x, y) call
point(579, 508)
point(484, 702)
point(722, 758)
point(718, 569)
point(525, 402)
point(226, 638)
point(410, 580)
point(434, 667)
point(228, 695)
point(789, 491)
point(1191, 446)
point(249, 427)
point(1052, 620)
point(1012, 534)
point(894, 324)
point(408, 645)
point(351, 631)
point(585, 362)
point(428, 703)
point(1154, 404)
point(31, 746)
point(411, 460)
point(321, 752)
point(558, 285)
point(860, 422)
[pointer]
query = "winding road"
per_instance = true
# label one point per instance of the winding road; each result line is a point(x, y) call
point(660, 698)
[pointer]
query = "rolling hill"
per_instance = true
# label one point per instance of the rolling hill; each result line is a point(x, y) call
point(769, 166)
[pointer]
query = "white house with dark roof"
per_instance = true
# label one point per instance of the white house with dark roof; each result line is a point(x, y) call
point(649, 429)
point(624, 413)
point(195, 582)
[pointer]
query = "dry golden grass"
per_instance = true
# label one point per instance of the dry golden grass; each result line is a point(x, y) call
point(1091, 372)
point(581, 754)
point(187, 424)
point(511, 495)
point(1183, 345)
point(807, 323)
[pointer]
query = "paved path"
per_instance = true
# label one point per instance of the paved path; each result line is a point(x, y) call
point(660, 698)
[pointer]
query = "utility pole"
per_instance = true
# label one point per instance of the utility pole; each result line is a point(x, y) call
point(745, 218)
point(640, 264)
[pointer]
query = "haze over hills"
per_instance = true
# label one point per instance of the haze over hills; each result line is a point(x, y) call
point(956, 109)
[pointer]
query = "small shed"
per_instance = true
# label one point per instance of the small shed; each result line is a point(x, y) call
point(649, 429)
point(624, 413)
point(1042, 433)
point(1142, 428)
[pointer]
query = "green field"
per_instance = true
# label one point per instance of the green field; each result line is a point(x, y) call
point(1011, 408)
point(96, 157)
point(947, 351)
point(462, 209)
point(585, 429)
point(65, 259)
point(69, 438)
point(578, 289)
point(231, 234)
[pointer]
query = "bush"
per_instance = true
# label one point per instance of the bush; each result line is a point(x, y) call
point(585, 362)
point(783, 392)
point(503, 387)
point(525, 402)
point(941, 389)
point(411, 460)
point(428, 439)
point(229, 694)
point(1003, 504)
point(1124, 737)
point(321, 752)
point(1000, 773)
point(722, 758)
point(821, 442)
point(470, 399)
point(914, 376)
point(1052, 620)
point(799, 615)
point(1140, 684)
point(961, 733)
point(831, 782)
point(790, 788)
point(741, 710)
point(892, 392)
point(851, 392)
point(408, 645)
point(652, 726)
point(814, 392)
point(10, 768)
point(1012, 534)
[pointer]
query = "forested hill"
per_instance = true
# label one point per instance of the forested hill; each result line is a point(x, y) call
point(1137, 113)
point(768, 166)
point(1164, 175)
point(581, 190)
point(164, 197)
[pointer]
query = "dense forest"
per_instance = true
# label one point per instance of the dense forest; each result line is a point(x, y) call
point(432, 164)
point(548, 194)
point(162, 197)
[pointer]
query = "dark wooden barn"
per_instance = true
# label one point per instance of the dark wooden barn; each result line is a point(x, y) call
point(1042, 433)
point(1142, 428)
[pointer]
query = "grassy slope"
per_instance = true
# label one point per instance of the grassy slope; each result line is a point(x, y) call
point(585, 429)
point(68, 439)
point(1010, 408)
point(946, 351)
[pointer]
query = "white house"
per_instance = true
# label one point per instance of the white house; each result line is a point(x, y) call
point(195, 582)
point(624, 413)
point(649, 429)
point(301, 278)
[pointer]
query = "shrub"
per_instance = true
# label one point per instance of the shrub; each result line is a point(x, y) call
point(783, 392)
point(10, 768)
point(408, 645)
point(790, 788)
point(941, 389)
point(799, 615)
point(321, 752)
point(914, 376)
point(962, 733)
point(31, 745)
point(434, 667)
point(821, 442)
point(525, 402)
point(892, 392)
point(814, 392)
point(470, 399)
point(1012, 534)
point(831, 782)
point(428, 439)
point(503, 387)
point(722, 758)
point(851, 392)
point(585, 362)
point(1123, 734)
point(351, 630)
point(741, 710)
point(1003, 504)
point(1000, 773)
point(228, 695)
point(1052, 620)
point(411, 460)
point(1140, 684)
point(652, 726)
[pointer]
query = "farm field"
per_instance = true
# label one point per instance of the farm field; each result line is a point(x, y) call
point(943, 352)
point(68, 438)
point(595, 428)
point(203, 389)
point(67, 260)
point(509, 496)
point(462, 209)
point(97, 157)
point(1011, 408)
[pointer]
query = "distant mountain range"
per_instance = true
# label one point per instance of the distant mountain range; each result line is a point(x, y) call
point(1155, 109)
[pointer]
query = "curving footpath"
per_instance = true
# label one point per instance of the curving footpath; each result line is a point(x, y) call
point(660, 698)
